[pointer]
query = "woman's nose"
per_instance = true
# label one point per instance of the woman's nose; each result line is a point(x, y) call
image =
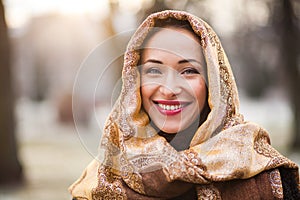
point(171, 87)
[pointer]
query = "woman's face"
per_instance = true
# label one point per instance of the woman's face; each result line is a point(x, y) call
point(172, 79)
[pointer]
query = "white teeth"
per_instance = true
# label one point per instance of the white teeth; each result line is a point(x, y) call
point(169, 107)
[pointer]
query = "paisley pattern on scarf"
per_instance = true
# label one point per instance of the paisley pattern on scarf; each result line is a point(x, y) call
point(208, 192)
point(276, 183)
point(224, 147)
point(262, 147)
point(109, 187)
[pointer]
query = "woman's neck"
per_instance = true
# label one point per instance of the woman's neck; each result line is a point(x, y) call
point(181, 140)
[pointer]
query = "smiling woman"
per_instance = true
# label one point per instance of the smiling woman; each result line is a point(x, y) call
point(175, 134)
point(173, 85)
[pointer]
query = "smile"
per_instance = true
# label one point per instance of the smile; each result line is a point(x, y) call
point(167, 107)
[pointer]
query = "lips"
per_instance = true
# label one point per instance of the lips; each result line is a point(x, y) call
point(170, 107)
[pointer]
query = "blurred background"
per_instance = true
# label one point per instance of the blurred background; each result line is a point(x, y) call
point(47, 48)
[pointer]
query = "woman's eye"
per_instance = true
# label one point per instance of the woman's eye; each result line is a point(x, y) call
point(153, 71)
point(190, 71)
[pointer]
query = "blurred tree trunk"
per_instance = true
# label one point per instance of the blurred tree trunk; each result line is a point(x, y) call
point(287, 27)
point(10, 168)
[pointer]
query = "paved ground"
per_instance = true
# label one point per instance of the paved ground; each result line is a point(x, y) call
point(53, 155)
point(50, 167)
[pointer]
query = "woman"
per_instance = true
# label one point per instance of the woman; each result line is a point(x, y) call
point(176, 131)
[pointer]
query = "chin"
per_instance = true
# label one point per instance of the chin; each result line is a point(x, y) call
point(170, 130)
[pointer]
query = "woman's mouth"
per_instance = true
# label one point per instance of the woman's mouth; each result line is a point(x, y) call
point(168, 107)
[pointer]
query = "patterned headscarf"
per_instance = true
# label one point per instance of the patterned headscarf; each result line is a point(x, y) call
point(137, 163)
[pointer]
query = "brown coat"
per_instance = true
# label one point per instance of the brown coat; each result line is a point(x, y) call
point(273, 184)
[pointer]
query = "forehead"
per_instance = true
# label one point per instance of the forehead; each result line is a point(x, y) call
point(178, 41)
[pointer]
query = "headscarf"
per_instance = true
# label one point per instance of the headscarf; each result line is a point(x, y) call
point(137, 163)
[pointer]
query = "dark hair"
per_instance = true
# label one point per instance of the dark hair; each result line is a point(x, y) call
point(163, 23)
point(170, 22)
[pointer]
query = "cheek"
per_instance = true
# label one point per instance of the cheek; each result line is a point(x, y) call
point(146, 92)
point(199, 91)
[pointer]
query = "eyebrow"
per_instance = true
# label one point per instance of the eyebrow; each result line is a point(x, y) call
point(188, 61)
point(154, 61)
point(180, 62)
